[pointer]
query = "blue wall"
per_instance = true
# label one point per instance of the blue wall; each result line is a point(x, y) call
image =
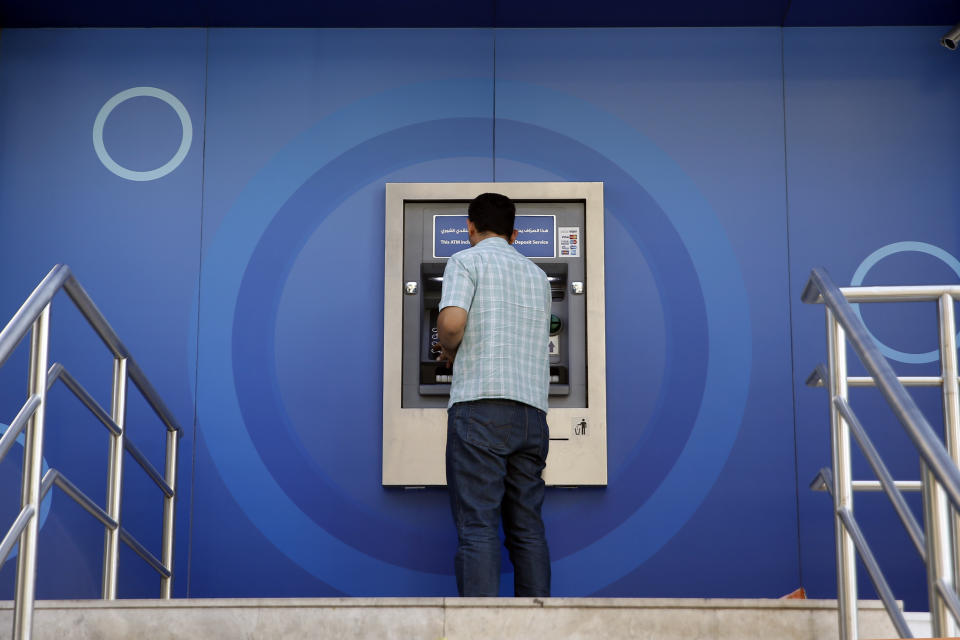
point(247, 283)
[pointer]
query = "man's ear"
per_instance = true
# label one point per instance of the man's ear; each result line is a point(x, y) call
point(471, 228)
point(513, 236)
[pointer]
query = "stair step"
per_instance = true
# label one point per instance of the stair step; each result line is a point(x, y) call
point(447, 618)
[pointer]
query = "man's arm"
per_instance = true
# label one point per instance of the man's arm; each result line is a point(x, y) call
point(450, 325)
point(456, 299)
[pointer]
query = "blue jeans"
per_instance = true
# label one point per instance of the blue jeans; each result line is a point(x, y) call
point(496, 451)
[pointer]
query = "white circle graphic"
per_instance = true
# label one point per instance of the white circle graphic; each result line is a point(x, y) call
point(148, 92)
point(889, 250)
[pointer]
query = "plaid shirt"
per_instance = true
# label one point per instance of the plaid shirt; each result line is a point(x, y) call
point(504, 349)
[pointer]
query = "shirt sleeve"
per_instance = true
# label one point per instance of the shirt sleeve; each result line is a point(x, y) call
point(548, 294)
point(458, 285)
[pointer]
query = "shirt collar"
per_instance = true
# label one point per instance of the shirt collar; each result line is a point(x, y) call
point(495, 240)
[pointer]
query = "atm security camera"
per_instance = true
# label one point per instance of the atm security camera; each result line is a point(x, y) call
point(951, 39)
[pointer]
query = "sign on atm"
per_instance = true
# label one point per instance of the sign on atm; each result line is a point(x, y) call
point(536, 236)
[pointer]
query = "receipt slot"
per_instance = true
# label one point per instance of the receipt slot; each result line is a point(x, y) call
point(560, 228)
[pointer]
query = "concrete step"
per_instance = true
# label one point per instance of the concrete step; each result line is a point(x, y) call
point(920, 623)
point(447, 618)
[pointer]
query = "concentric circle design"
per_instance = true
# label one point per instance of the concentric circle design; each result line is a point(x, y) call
point(229, 263)
point(148, 92)
point(906, 246)
point(289, 440)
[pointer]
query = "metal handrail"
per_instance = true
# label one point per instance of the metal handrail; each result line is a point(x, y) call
point(9, 540)
point(148, 468)
point(941, 475)
point(18, 424)
point(918, 429)
point(142, 551)
point(886, 480)
point(60, 277)
point(59, 372)
point(876, 575)
point(33, 318)
point(818, 484)
point(54, 478)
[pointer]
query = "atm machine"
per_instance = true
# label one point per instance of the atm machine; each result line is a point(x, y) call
point(560, 228)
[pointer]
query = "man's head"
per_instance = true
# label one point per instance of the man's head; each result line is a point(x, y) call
point(492, 213)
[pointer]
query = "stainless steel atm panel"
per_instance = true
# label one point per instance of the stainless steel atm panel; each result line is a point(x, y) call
point(561, 229)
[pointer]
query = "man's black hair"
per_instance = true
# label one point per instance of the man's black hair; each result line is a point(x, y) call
point(493, 212)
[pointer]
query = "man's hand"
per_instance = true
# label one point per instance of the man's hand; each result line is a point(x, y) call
point(447, 356)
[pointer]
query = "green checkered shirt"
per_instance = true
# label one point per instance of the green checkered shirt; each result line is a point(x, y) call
point(504, 349)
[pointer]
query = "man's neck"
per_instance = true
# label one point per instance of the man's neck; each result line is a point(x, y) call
point(486, 235)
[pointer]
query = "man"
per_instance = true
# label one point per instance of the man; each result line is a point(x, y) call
point(493, 330)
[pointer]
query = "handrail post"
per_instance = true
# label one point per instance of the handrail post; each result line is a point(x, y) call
point(951, 413)
point(936, 517)
point(111, 537)
point(25, 590)
point(169, 511)
point(842, 481)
